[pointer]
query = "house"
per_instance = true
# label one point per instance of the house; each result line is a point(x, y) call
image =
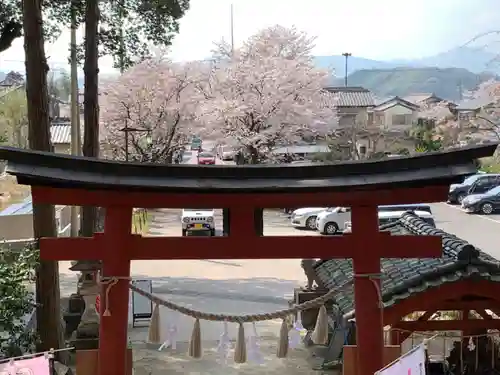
point(353, 104)
point(16, 221)
point(12, 79)
point(423, 99)
point(395, 114)
point(60, 136)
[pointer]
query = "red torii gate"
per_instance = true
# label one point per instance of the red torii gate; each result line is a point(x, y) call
point(67, 180)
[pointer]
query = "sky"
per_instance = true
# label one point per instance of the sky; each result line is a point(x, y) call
point(380, 30)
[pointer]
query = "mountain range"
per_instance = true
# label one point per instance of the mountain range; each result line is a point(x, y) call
point(475, 60)
point(446, 74)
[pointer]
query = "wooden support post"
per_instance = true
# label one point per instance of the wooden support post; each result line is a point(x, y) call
point(369, 314)
point(116, 263)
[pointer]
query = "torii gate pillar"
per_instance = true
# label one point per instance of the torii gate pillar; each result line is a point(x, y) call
point(113, 330)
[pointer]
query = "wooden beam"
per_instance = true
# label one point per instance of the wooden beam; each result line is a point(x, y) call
point(70, 248)
point(486, 304)
point(434, 297)
point(282, 247)
point(349, 198)
point(448, 325)
point(267, 247)
point(483, 314)
point(402, 336)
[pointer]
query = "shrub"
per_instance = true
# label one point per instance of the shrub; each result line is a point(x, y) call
point(17, 271)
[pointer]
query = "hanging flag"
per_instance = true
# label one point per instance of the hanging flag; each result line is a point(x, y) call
point(411, 363)
point(34, 366)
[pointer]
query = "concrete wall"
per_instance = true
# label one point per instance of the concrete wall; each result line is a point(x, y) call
point(62, 148)
point(20, 227)
point(348, 116)
point(16, 227)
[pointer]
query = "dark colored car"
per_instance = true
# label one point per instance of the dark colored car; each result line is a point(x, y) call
point(206, 158)
point(485, 203)
point(475, 184)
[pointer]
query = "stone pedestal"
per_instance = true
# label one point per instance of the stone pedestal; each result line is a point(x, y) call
point(310, 316)
point(73, 315)
point(86, 336)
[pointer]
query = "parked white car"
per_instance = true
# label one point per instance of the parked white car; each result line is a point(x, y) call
point(198, 219)
point(336, 220)
point(306, 217)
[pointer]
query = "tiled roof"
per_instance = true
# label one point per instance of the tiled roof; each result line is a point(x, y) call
point(60, 134)
point(23, 208)
point(405, 277)
point(393, 102)
point(419, 98)
point(352, 96)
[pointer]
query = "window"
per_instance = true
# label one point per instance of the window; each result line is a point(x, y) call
point(401, 119)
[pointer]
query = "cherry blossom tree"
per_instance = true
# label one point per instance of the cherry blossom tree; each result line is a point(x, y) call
point(440, 126)
point(154, 103)
point(486, 119)
point(266, 94)
point(480, 122)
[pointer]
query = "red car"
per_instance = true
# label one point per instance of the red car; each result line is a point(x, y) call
point(206, 158)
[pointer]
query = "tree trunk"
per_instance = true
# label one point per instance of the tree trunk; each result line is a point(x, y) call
point(48, 313)
point(91, 103)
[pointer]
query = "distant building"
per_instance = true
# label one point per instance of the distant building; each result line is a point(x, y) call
point(353, 104)
point(16, 221)
point(423, 99)
point(12, 79)
point(395, 114)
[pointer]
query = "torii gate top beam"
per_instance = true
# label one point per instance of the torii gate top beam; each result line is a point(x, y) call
point(396, 180)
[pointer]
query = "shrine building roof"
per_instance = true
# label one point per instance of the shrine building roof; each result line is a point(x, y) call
point(65, 171)
point(403, 278)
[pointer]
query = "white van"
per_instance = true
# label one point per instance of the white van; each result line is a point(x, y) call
point(335, 220)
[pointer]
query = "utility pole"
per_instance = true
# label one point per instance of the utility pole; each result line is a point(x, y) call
point(232, 30)
point(75, 113)
point(346, 55)
point(226, 214)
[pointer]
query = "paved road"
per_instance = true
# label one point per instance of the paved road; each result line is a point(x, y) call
point(481, 231)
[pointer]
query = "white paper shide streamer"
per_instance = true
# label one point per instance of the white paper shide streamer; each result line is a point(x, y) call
point(171, 338)
point(296, 333)
point(253, 348)
point(224, 345)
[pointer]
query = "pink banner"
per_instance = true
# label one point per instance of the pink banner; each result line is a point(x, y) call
point(35, 366)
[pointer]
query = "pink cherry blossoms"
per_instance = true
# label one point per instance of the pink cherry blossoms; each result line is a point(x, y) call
point(155, 101)
point(266, 94)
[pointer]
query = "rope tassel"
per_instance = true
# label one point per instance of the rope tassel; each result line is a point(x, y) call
point(195, 343)
point(320, 333)
point(283, 340)
point(154, 326)
point(240, 352)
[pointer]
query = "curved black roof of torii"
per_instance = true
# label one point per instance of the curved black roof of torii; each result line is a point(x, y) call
point(65, 171)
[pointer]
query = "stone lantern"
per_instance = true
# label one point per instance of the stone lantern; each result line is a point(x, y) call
point(87, 332)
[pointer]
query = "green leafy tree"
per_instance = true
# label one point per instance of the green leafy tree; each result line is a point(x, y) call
point(14, 118)
point(127, 28)
point(17, 271)
point(11, 21)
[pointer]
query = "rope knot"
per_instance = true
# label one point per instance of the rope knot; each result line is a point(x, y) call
point(110, 281)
